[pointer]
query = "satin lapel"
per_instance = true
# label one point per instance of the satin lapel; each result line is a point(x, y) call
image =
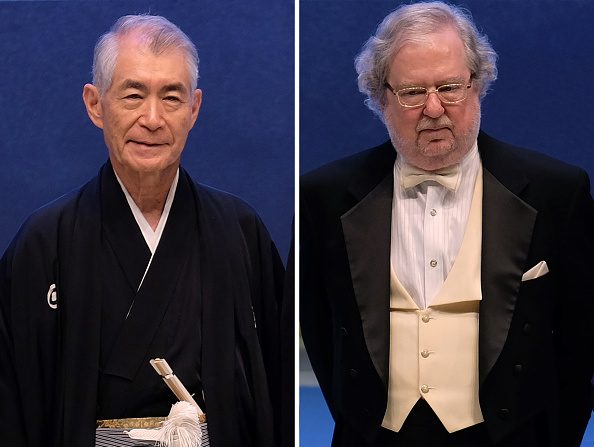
point(122, 231)
point(158, 288)
point(366, 229)
point(508, 223)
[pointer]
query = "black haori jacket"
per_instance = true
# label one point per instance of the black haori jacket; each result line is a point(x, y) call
point(51, 293)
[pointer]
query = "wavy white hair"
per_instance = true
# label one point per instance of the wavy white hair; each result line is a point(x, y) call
point(410, 23)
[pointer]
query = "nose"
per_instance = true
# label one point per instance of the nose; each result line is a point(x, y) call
point(151, 116)
point(433, 107)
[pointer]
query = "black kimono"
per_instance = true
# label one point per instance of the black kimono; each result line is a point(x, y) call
point(76, 333)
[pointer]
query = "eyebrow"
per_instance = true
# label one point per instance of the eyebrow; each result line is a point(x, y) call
point(446, 81)
point(174, 87)
point(452, 80)
point(131, 83)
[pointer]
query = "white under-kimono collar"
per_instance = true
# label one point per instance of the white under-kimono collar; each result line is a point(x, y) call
point(151, 237)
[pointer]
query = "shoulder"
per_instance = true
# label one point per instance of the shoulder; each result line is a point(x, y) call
point(233, 222)
point(49, 225)
point(43, 223)
point(375, 161)
point(504, 159)
point(228, 211)
point(33, 252)
point(335, 183)
point(222, 203)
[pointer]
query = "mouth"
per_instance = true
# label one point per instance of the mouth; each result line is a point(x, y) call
point(146, 143)
point(434, 129)
point(435, 133)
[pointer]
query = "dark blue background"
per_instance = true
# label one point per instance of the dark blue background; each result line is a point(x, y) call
point(543, 98)
point(243, 141)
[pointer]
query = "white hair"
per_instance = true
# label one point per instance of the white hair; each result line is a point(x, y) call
point(159, 35)
point(410, 23)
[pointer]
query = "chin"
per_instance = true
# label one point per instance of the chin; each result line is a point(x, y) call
point(437, 148)
point(147, 166)
point(436, 156)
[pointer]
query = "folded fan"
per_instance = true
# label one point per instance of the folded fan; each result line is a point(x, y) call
point(186, 424)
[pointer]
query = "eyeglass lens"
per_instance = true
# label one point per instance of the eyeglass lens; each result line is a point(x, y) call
point(416, 96)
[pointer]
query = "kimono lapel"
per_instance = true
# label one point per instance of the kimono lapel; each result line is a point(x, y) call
point(508, 224)
point(121, 230)
point(158, 289)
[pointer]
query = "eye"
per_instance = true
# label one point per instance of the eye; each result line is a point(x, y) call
point(172, 99)
point(450, 88)
point(133, 96)
point(412, 92)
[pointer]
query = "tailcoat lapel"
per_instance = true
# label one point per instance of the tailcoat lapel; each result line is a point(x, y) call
point(508, 224)
point(366, 229)
point(505, 244)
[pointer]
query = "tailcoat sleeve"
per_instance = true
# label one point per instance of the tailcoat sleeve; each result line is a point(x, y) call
point(575, 333)
point(543, 372)
point(315, 313)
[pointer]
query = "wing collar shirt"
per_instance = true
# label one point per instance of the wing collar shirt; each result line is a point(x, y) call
point(428, 224)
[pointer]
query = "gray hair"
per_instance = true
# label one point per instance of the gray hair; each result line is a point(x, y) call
point(159, 35)
point(410, 23)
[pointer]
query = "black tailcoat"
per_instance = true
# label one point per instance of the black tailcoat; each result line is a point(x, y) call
point(536, 342)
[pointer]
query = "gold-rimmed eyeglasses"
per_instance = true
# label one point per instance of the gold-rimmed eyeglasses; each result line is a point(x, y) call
point(410, 97)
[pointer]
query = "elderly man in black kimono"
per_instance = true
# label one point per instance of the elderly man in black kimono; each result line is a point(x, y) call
point(141, 262)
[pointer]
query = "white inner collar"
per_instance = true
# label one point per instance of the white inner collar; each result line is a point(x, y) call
point(151, 237)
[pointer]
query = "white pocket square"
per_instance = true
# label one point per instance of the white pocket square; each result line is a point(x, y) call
point(537, 271)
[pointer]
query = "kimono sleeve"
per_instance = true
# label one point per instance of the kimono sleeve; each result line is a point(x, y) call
point(29, 319)
point(273, 303)
point(12, 429)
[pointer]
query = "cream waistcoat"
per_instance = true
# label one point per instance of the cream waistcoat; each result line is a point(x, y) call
point(434, 352)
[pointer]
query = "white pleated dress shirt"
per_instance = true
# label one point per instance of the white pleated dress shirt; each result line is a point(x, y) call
point(428, 224)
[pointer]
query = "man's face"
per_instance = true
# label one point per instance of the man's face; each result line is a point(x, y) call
point(148, 111)
point(434, 135)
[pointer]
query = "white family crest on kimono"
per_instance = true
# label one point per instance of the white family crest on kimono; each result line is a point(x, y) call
point(52, 297)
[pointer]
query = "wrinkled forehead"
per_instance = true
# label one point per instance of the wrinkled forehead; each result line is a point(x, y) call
point(137, 57)
point(444, 46)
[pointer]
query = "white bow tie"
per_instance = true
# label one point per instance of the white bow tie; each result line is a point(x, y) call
point(449, 177)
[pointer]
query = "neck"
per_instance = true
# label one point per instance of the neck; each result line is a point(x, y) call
point(149, 191)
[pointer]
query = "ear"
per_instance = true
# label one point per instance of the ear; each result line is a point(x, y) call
point(196, 105)
point(91, 98)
